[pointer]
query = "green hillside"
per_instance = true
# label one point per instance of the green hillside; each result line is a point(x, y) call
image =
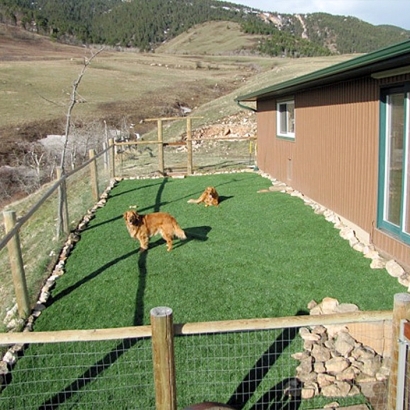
point(215, 37)
point(147, 24)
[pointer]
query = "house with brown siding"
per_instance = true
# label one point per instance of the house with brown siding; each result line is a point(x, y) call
point(341, 136)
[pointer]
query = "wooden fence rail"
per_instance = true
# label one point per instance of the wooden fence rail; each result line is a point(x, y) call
point(162, 332)
point(59, 184)
point(222, 326)
point(188, 143)
point(14, 224)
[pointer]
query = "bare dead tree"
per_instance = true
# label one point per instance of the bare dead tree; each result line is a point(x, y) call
point(73, 101)
point(62, 225)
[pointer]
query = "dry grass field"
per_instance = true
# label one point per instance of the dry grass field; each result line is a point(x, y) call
point(125, 87)
point(217, 38)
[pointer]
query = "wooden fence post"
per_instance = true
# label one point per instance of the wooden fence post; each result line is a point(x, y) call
point(401, 310)
point(112, 157)
point(16, 264)
point(160, 148)
point(189, 145)
point(94, 177)
point(62, 224)
point(163, 358)
point(105, 148)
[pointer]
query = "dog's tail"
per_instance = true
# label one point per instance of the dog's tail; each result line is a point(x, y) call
point(179, 232)
point(194, 201)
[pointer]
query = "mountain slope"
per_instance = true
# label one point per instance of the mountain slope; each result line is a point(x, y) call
point(214, 37)
point(146, 24)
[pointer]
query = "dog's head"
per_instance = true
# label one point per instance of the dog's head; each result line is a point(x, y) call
point(132, 217)
point(210, 191)
point(212, 194)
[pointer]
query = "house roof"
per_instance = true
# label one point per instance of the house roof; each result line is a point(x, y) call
point(394, 60)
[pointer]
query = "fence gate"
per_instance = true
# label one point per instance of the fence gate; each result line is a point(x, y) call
point(403, 377)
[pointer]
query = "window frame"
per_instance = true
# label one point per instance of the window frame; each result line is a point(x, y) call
point(280, 126)
point(385, 157)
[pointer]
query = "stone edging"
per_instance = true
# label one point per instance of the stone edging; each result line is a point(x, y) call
point(10, 357)
point(367, 249)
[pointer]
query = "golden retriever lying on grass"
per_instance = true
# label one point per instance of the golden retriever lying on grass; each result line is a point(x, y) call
point(142, 227)
point(209, 197)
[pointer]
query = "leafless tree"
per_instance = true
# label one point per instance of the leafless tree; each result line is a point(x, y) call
point(73, 100)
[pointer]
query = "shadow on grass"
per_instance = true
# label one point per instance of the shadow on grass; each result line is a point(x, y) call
point(285, 394)
point(87, 278)
point(94, 371)
point(113, 195)
point(224, 198)
point(197, 233)
point(88, 376)
point(111, 357)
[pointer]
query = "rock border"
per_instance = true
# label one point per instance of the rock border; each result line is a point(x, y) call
point(368, 250)
point(10, 357)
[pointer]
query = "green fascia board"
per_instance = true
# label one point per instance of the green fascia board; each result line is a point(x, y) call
point(350, 68)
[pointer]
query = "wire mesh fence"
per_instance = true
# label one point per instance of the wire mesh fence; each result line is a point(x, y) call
point(88, 375)
point(209, 155)
point(38, 236)
point(251, 369)
point(130, 161)
point(403, 384)
point(256, 366)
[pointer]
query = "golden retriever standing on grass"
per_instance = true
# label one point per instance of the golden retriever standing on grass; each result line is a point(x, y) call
point(142, 227)
point(209, 197)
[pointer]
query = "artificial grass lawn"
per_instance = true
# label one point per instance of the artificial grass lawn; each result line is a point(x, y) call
point(256, 255)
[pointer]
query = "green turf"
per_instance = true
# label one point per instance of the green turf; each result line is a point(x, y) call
point(256, 255)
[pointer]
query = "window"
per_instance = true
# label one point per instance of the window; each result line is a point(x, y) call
point(286, 119)
point(394, 176)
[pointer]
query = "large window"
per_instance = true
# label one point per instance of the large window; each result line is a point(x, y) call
point(394, 181)
point(286, 119)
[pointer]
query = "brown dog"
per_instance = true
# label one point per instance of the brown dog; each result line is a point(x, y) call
point(209, 197)
point(142, 227)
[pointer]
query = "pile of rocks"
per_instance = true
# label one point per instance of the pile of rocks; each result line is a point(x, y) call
point(333, 363)
point(240, 125)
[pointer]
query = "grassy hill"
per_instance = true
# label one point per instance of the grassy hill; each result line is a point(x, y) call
point(214, 37)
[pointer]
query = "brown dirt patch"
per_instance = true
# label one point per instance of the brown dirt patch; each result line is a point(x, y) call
point(20, 45)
